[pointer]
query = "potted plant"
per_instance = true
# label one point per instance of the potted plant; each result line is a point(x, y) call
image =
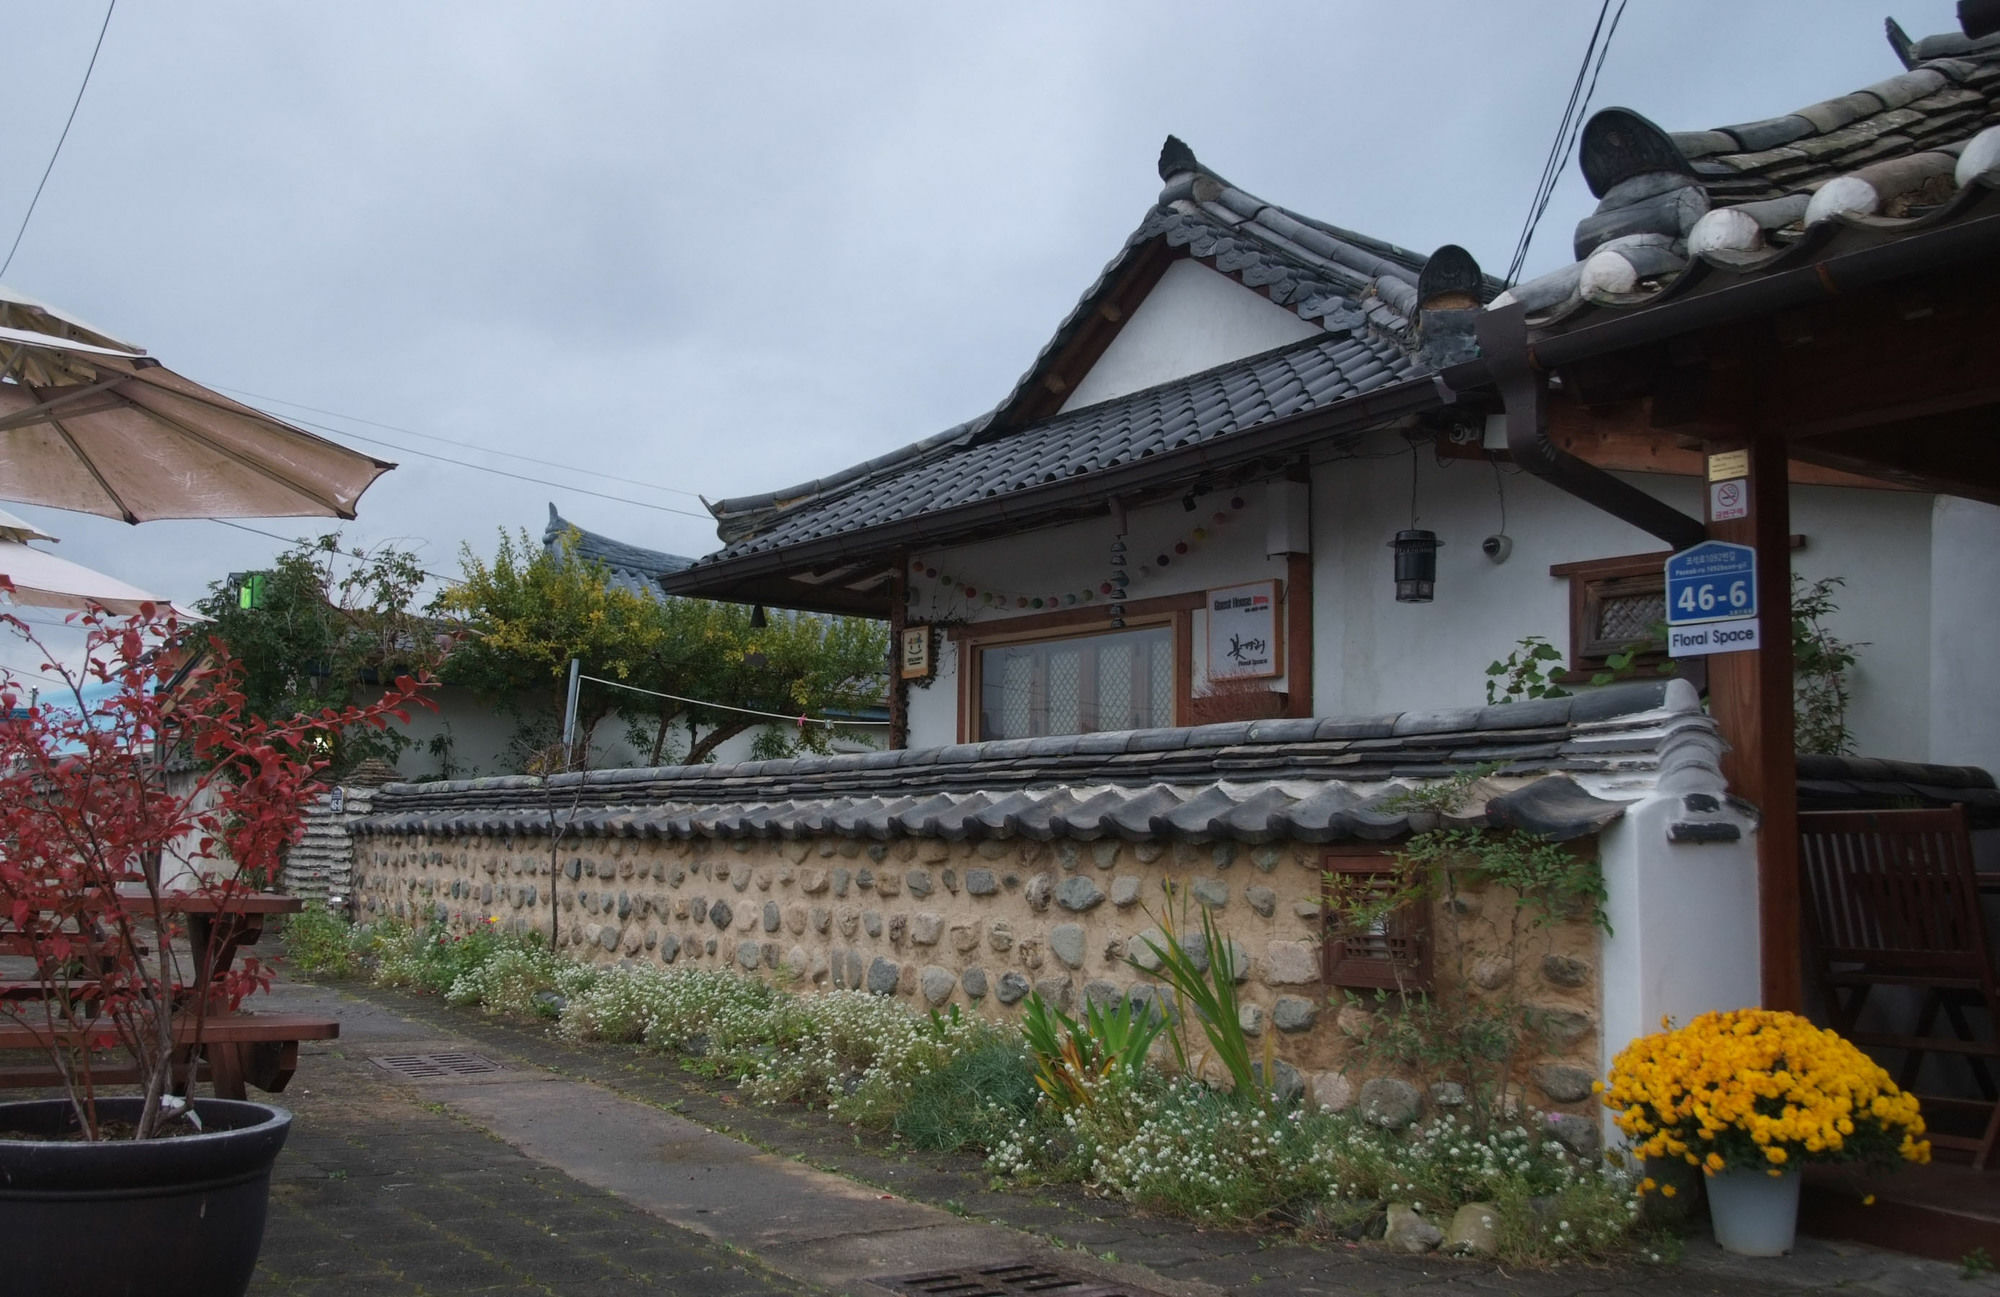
point(1749, 1095)
point(101, 848)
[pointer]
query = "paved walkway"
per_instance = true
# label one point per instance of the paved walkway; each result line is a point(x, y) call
point(577, 1169)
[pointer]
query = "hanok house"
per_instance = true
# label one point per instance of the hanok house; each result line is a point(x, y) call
point(1221, 577)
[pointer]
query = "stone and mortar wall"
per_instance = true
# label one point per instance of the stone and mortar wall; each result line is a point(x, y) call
point(979, 924)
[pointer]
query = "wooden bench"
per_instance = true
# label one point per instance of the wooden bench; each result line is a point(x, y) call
point(1891, 899)
point(236, 1049)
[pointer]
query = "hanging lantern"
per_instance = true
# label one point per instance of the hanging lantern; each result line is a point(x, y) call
point(1416, 565)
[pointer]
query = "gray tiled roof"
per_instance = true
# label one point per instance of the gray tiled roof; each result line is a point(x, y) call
point(1312, 780)
point(1890, 157)
point(1872, 783)
point(630, 567)
point(1362, 291)
point(1293, 380)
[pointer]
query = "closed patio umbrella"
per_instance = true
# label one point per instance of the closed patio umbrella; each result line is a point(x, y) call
point(93, 424)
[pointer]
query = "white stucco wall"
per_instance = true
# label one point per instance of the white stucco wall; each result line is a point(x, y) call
point(1194, 319)
point(1373, 654)
point(482, 736)
point(1965, 630)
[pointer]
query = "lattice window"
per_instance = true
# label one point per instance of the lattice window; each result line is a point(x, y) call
point(1614, 605)
point(1391, 952)
point(1080, 684)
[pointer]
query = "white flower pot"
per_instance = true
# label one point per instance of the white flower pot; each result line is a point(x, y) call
point(1754, 1212)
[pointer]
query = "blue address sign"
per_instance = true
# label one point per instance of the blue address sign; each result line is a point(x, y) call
point(1714, 581)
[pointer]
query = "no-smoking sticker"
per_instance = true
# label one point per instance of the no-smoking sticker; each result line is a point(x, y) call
point(1728, 500)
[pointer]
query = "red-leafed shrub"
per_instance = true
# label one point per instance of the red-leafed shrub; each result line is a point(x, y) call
point(97, 839)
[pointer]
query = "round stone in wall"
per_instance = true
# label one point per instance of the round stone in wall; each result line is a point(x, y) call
point(1565, 971)
point(981, 882)
point(1332, 1091)
point(882, 976)
point(721, 915)
point(1294, 1013)
point(1563, 1083)
point(1103, 994)
point(1390, 1103)
point(936, 983)
point(1079, 893)
point(1012, 988)
point(974, 981)
point(1066, 942)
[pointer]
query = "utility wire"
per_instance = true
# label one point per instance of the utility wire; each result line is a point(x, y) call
point(449, 441)
point(800, 719)
point(1567, 130)
point(501, 472)
point(294, 540)
point(74, 105)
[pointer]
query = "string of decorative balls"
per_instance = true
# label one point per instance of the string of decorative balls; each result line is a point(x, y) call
point(1112, 588)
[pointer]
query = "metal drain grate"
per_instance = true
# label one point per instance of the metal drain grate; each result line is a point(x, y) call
point(1011, 1279)
point(428, 1067)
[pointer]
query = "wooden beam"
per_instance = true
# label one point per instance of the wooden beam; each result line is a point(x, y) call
point(1622, 438)
point(899, 689)
point(1298, 635)
point(1655, 451)
point(1750, 696)
point(1952, 454)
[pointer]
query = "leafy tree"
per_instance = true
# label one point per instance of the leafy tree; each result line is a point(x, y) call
point(318, 635)
point(526, 613)
point(529, 610)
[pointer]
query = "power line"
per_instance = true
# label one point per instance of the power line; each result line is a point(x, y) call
point(801, 720)
point(501, 472)
point(449, 441)
point(1567, 130)
point(296, 540)
point(77, 103)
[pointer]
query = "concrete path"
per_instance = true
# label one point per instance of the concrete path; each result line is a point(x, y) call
point(587, 1165)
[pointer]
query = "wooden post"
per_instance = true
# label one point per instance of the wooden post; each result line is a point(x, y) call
point(1298, 635)
point(899, 690)
point(1299, 608)
point(1750, 695)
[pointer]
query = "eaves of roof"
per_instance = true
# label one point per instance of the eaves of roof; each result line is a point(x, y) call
point(1837, 258)
point(1893, 160)
point(1087, 492)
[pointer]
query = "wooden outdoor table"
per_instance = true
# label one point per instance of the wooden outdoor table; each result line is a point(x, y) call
point(236, 1048)
point(218, 923)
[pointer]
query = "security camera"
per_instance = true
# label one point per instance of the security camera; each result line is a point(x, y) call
point(1497, 547)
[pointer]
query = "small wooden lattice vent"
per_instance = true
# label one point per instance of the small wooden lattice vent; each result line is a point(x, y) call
point(1391, 951)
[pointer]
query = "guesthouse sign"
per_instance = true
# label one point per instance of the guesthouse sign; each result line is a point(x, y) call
point(1711, 599)
point(1243, 631)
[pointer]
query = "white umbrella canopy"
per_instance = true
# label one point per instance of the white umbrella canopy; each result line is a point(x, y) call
point(42, 580)
point(13, 528)
point(92, 424)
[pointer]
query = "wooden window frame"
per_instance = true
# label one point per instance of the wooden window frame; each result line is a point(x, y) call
point(1409, 924)
point(1591, 582)
point(1175, 611)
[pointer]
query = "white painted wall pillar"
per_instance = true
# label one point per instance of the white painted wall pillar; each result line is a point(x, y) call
point(1680, 876)
point(1965, 628)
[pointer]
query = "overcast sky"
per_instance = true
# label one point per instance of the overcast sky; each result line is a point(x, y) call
point(724, 248)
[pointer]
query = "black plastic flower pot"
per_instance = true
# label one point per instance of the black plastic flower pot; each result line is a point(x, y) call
point(181, 1217)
